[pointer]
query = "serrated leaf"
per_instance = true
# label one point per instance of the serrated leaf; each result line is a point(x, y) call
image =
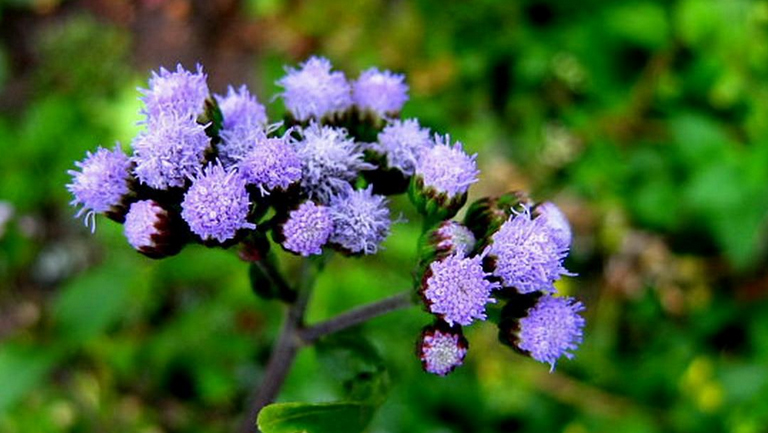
point(341, 417)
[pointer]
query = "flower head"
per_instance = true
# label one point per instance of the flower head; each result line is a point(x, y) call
point(457, 289)
point(360, 220)
point(447, 168)
point(307, 229)
point(180, 93)
point(401, 143)
point(384, 93)
point(216, 205)
point(272, 163)
point(330, 160)
point(441, 349)
point(313, 91)
point(525, 254)
point(241, 109)
point(170, 150)
point(238, 142)
point(551, 329)
point(101, 183)
point(558, 224)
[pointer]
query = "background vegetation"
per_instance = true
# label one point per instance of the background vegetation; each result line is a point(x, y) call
point(646, 121)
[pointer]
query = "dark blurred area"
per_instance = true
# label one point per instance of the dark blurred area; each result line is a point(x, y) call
point(645, 121)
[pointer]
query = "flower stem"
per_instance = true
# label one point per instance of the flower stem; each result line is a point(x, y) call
point(356, 316)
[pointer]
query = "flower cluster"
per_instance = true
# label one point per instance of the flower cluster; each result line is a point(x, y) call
point(212, 169)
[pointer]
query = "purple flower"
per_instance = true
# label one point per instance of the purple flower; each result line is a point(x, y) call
point(457, 290)
point(307, 229)
point(238, 142)
point(442, 349)
point(101, 183)
point(401, 143)
point(384, 93)
point(558, 224)
point(241, 109)
point(525, 254)
point(447, 168)
point(169, 151)
point(273, 163)
point(452, 237)
point(313, 91)
point(216, 205)
point(330, 160)
point(180, 93)
point(360, 220)
point(551, 329)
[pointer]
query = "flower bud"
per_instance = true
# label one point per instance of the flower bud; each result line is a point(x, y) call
point(445, 239)
point(487, 214)
point(152, 230)
point(441, 348)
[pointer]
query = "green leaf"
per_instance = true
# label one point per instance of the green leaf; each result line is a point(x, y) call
point(341, 417)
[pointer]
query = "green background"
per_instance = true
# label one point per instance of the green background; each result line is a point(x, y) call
point(645, 121)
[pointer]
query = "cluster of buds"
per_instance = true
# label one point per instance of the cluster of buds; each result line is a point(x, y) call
point(212, 169)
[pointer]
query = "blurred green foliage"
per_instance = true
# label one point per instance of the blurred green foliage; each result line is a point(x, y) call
point(647, 121)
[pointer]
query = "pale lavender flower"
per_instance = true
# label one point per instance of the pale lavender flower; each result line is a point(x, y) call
point(447, 168)
point(442, 349)
point(457, 289)
point(401, 143)
point(360, 220)
point(558, 223)
point(313, 91)
point(384, 93)
point(216, 205)
point(101, 184)
point(525, 254)
point(241, 109)
point(273, 163)
point(307, 229)
point(181, 93)
point(551, 329)
point(169, 151)
point(330, 160)
point(238, 142)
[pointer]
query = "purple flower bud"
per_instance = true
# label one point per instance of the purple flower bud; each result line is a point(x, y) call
point(442, 348)
point(456, 289)
point(551, 329)
point(101, 184)
point(330, 160)
point(401, 143)
point(216, 205)
point(525, 255)
point(360, 220)
point(451, 237)
point(150, 230)
point(383, 93)
point(447, 168)
point(273, 163)
point(307, 229)
point(169, 151)
point(558, 224)
point(241, 109)
point(313, 91)
point(180, 93)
